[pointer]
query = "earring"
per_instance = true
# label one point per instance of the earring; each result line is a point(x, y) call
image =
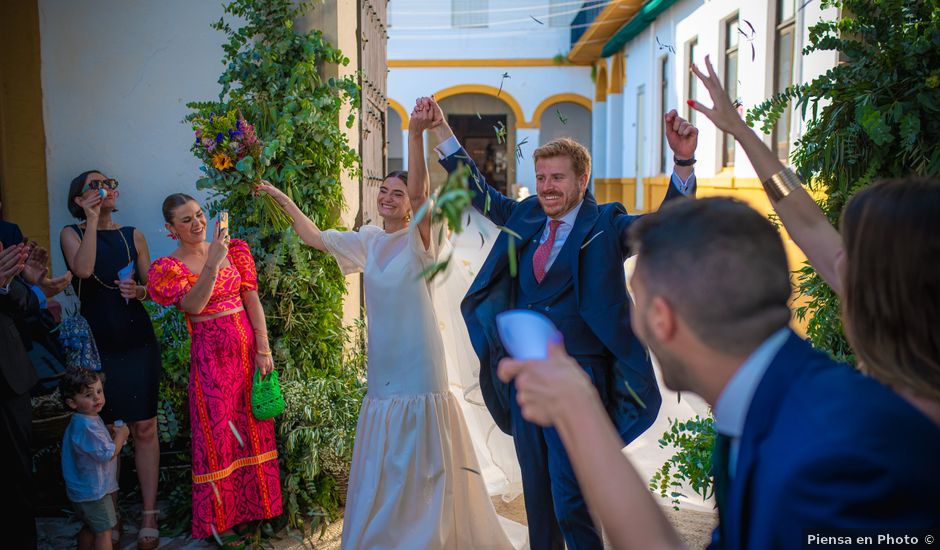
point(173, 236)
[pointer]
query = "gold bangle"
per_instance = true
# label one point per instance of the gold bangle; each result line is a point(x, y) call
point(781, 184)
point(144, 297)
point(265, 353)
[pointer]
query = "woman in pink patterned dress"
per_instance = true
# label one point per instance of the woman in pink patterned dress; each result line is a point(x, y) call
point(235, 469)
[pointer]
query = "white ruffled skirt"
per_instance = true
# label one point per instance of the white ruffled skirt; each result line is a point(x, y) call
point(415, 481)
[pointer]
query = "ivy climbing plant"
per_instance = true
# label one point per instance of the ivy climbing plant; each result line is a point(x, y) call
point(274, 77)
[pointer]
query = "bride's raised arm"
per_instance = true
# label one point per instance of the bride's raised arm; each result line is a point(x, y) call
point(304, 226)
point(799, 213)
point(418, 181)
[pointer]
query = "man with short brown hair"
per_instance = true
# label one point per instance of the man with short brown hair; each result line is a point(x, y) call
point(570, 260)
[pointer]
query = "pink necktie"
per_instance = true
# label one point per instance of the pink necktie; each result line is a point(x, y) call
point(544, 250)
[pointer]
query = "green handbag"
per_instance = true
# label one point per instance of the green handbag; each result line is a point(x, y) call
point(266, 399)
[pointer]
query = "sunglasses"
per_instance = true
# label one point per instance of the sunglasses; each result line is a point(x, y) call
point(109, 183)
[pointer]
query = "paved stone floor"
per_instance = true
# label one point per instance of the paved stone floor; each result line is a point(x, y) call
point(59, 533)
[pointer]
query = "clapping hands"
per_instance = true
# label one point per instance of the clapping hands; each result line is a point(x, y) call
point(12, 262)
point(36, 273)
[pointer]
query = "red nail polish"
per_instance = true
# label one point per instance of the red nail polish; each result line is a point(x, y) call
point(690, 102)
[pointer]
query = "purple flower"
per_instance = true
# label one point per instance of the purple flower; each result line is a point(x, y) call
point(208, 143)
point(219, 137)
point(198, 133)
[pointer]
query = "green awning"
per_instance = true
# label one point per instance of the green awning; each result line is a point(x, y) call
point(650, 11)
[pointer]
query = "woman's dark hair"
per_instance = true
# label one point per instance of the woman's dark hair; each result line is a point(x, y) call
point(75, 189)
point(172, 202)
point(74, 382)
point(400, 174)
point(891, 302)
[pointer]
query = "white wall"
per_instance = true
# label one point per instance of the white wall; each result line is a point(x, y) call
point(116, 77)
point(676, 27)
point(419, 29)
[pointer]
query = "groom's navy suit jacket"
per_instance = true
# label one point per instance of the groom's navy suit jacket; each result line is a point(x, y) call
point(599, 233)
point(824, 447)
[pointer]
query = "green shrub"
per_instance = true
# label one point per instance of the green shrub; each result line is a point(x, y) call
point(692, 462)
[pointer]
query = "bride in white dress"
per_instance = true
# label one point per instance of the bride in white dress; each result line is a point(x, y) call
point(415, 480)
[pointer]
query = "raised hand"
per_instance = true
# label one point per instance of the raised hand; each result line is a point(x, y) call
point(439, 125)
point(90, 202)
point(218, 248)
point(422, 116)
point(723, 113)
point(681, 136)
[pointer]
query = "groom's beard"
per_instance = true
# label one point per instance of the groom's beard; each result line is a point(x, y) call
point(674, 370)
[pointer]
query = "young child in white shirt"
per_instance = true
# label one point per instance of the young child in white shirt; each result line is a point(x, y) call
point(89, 457)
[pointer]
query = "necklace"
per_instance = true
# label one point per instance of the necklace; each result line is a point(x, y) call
point(126, 247)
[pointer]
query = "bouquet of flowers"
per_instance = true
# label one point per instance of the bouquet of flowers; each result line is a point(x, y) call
point(227, 144)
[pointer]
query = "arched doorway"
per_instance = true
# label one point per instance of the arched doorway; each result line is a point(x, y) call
point(396, 149)
point(486, 126)
point(565, 119)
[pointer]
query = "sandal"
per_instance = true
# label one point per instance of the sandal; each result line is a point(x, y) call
point(148, 538)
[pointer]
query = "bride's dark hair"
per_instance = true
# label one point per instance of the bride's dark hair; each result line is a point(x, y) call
point(400, 174)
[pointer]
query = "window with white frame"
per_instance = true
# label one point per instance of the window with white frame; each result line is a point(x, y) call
point(730, 81)
point(784, 45)
point(469, 14)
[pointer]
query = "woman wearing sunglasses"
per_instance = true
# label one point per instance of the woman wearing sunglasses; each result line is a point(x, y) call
point(110, 264)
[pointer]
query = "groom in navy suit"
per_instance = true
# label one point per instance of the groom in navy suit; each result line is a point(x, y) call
point(570, 257)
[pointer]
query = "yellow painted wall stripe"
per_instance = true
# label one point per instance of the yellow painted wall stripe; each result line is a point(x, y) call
point(402, 112)
point(490, 91)
point(554, 100)
point(504, 62)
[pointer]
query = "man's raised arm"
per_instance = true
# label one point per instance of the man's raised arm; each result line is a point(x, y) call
point(497, 207)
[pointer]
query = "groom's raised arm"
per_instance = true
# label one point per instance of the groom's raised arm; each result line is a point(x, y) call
point(497, 207)
point(683, 140)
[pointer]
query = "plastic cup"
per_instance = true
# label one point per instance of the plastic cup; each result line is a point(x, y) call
point(525, 334)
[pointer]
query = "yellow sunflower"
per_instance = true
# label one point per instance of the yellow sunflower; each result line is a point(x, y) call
point(221, 161)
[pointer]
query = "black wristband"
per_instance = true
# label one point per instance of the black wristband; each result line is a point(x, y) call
point(681, 162)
